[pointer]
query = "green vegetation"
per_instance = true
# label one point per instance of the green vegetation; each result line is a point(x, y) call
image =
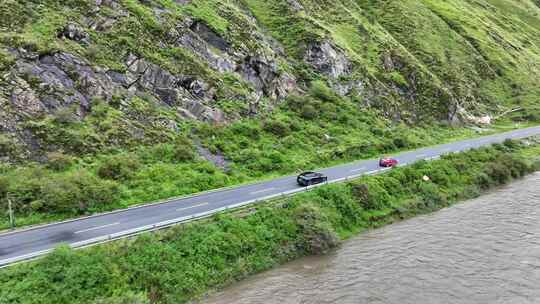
point(184, 262)
point(315, 130)
point(413, 66)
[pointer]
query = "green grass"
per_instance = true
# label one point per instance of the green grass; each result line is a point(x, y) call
point(185, 262)
point(335, 132)
point(417, 60)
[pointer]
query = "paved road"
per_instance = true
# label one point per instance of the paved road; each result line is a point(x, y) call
point(24, 244)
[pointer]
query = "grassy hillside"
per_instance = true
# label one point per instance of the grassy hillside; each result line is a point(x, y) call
point(145, 100)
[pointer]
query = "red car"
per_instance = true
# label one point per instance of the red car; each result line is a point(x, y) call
point(388, 162)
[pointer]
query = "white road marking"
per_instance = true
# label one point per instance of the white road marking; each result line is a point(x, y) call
point(446, 149)
point(358, 170)
point(371, 172)
point(191, 207)
point(421, 156)
point(96, 228)
point(262, 191)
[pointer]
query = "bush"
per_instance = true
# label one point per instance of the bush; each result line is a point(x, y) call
point(119, 167)
point(75, 193)
point(321, 91)
point(309, 112)
point(317, 234)
point(370, 195)
point(512, 145)
point(251, 131)
point(296, 102)
point(483, 180)
point(431, 195)
point(6, 145)
point(58, 161)
point(400, 142)
point(183, 154)
point(183, 150)
point(277, 127)
point(65, 116)
point(498, 172)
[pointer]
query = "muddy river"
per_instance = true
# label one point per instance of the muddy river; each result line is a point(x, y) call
point(485, 250)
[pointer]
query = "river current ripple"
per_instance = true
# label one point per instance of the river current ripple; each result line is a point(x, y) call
point(485, 250)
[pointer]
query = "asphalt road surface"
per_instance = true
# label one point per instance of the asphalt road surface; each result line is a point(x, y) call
point(25, 244)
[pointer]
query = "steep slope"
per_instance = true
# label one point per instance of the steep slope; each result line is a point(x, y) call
point(156, 98)
point(217, 61)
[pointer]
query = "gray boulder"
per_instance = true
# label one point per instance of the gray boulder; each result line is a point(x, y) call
point(74, 32)
point(328, 60)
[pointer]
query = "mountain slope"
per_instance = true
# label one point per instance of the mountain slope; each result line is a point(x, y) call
point(218, 61)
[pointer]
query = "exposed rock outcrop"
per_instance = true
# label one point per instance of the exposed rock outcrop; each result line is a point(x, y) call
point(43, 84)
point(259, 69)
point(74, 32)
point(328, 60)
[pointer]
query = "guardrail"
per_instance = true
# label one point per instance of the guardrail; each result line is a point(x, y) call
point(187, 219)
point(180, 220)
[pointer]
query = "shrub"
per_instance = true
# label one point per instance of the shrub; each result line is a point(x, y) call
point(512, 145)
point(431, 195)
point(498, 172)
point(183, 153)
point(118, 167)
point(277, 127)
point(400, 142)
point(317, 234)
point(321, 91)
point(183, 150)
point(6, 145)
point(309, 112)
point(75, 192)
point(483, 180)
point(296, 102)
point(245, 129)
point(370, 195)
point(65, 116)
point(58, 161)
point(60, 195)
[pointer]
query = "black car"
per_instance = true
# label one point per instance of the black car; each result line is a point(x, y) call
point(311, 178)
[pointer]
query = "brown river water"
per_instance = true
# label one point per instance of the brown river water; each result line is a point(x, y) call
point(485, 250)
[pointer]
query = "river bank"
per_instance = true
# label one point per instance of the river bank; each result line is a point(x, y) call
point(186, 262)
point(484, 250)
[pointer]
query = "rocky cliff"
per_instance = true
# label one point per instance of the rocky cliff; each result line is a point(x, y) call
point(160, 64)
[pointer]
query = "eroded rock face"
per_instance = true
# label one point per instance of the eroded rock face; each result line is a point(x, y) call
point(260, 70)
point(209, 36)
point(190, 40)
point(266, 78)
point(44, 84)
point(328, 60)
